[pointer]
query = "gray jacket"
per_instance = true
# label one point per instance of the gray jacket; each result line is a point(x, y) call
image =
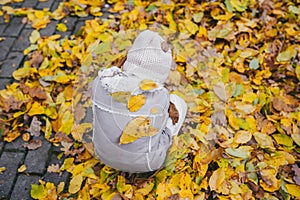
point(110, 117)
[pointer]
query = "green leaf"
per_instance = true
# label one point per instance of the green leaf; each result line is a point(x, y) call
point(241, 152)
point(297, 71)
point(283, 139)
point(285, 55)
point(197, 17)
point(38, 191)
point(35, 35)
point(294, 9)
point(254, 64)
point(103, 47)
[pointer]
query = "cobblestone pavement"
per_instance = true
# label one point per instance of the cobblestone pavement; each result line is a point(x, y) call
point(15, 185)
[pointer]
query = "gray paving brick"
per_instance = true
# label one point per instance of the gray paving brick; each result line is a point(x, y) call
point(35, 160)
point(14, 27)
point(30, 4)
point(1, 146)
point(4, 82)
point(64, 34)
point(22, 187)
point(2, 27)
point(79, 24)
point(23, 40)
point(5, 46)
point(11, 161)
point(45, 4)
point(11, 63)
point(49, 30)
point(15, 145)
point(56, 178)
point(55, 6)
point(70, 22)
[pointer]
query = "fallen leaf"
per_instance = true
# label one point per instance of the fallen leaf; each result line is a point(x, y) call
point(54, 168)
point(217, 179)
point(136, 102)
point(22, 168)
point(293, 190)
point(2, 169)
point(35, 127)
point(75, 184)
point(137, 128)
point(147, 84)
point(33, 144)
point(219, 90)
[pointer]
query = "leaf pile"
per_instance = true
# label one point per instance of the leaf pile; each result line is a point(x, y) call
point(238, 69)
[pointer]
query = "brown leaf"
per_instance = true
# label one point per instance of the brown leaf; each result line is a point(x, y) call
point(54, 168)
point(35, 127)
point(280, 105)
point(296, 170)
point(173, 113)
point(79, 113)
point(35, 59)
point(258, 191)
point(33, 144)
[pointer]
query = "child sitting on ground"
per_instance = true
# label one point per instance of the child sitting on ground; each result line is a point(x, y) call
point(132, 128)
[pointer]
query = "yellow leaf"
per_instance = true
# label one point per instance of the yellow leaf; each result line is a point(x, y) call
point(35, 35)
point(216, 179)
point(22, 168)
point(75, 184)
point(121, 96)
point(78, 130)
point(263, 140)
point(163, 191)
point(269, 181)
point(147, 84)
point(36, 109)
point(293, 190)
point(242, 137)
point(136, 102)
point(60, 187)
point(61, 27)
point(283, 139)
point(146, 189)
point(296, 138)
point(2, 169)
point(124, 188)
point(137, 128)
point(38, 191)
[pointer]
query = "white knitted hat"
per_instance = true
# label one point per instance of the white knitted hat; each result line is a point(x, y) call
point(149, 57)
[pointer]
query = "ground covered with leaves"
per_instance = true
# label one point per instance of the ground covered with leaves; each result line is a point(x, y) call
point(238, 69)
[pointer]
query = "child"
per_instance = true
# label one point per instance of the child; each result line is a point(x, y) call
point(148, 59)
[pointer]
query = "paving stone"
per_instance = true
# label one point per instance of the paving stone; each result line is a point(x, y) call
point(11, 161)
point(16, 145)
point(14, 27)
point(56, 178)
point(1, 146)
point(23, 41)
point(5, 46)
point(36, 160)
point(22, 187)
point(45, 4)
point(64, 34)
point(79, 24)
point(2, 27)
point(11, 63)
point(30, 4)
point(4, 82)
point(49, 30)
point(70, 22)
point(55, 6)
